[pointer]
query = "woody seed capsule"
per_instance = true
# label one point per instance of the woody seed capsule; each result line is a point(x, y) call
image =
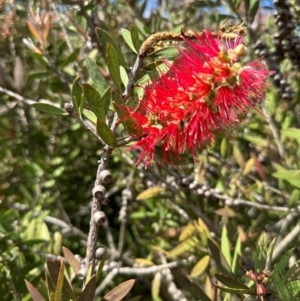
point(99, 218)
point(99, 192)
point(105, 176)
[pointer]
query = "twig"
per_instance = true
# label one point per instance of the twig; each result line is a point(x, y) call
point(126, 196)
point(169, 279)
point(51, 220)
point(133, 271)
point(110, 239)
point(237, 202)
point(274, 131)
point(96, 206)
point(279, 248)
point(17, 96)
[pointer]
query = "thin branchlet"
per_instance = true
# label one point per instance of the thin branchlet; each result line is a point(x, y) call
point(157, 38)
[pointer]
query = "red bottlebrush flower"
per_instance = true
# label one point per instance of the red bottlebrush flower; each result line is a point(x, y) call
point(203, 93)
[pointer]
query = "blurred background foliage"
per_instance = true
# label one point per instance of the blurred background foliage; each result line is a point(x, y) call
point(235, 191)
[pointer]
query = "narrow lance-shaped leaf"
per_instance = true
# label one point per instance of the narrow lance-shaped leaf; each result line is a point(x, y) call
point(254, 5)
point(231, 282)
point(106, 99)
point(96, 75)
point(135, 37)
point(225, 245)
point(105, 38)
point(90, 115)
point(105, 133)
point(293, 272)
point(72, 57)
point(284, 260)
point(260, 254)
point(270, 254)
point(280, 284)
point(200, 266)
point(94, 100)
point(76, 94)
point(100, 267)
point(60, 281)
point(127, 37)
point(73, 262)
point(190, 286)
point(113, 65)
point(34, 293)
point(235, 290)
point(124, 76)
point(237, 252)
point(88, 292)
point(155, 287)
point(50, 109)
point(221, 262)
point(54, 271)
point(120, 291)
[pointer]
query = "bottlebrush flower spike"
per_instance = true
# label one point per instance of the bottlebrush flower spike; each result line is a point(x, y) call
point(203, 93)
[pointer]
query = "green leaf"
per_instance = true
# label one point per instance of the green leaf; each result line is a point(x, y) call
point(124, 76)
point(94, 100)
point(135, 37)
point(294, 197)
point(291, 133)
point(105, 133)
point(127, 37)
point(165, 53)
point(291, 176)
point(141, 27)
point(190, 286)
point(105, 39)
point(230, 282)
point(254, 5)
point(113, 65)
point(270, 253)
point(237, 252)
point(235, 290)
point(90, 115)
point(280, 284)
point(260, 256)
point(100, 267)
point(221, 262)
point(54, 272)
point(60, 281)
point(293, 272)
point(155, 287)
point(261, 142)
point(89, 290)
point(72, 57)
point(225, 245)
point(232, 6)
point(73, 262)
point(200, 266)
point(294, 288)
point(96, 75)
point(76, 92)
point(120, 291)
point(150, 193)
point(34, 293)
point(284, 260)
point(106, 99)
point(183, 247)
point(50, 109)
point(82, 103)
